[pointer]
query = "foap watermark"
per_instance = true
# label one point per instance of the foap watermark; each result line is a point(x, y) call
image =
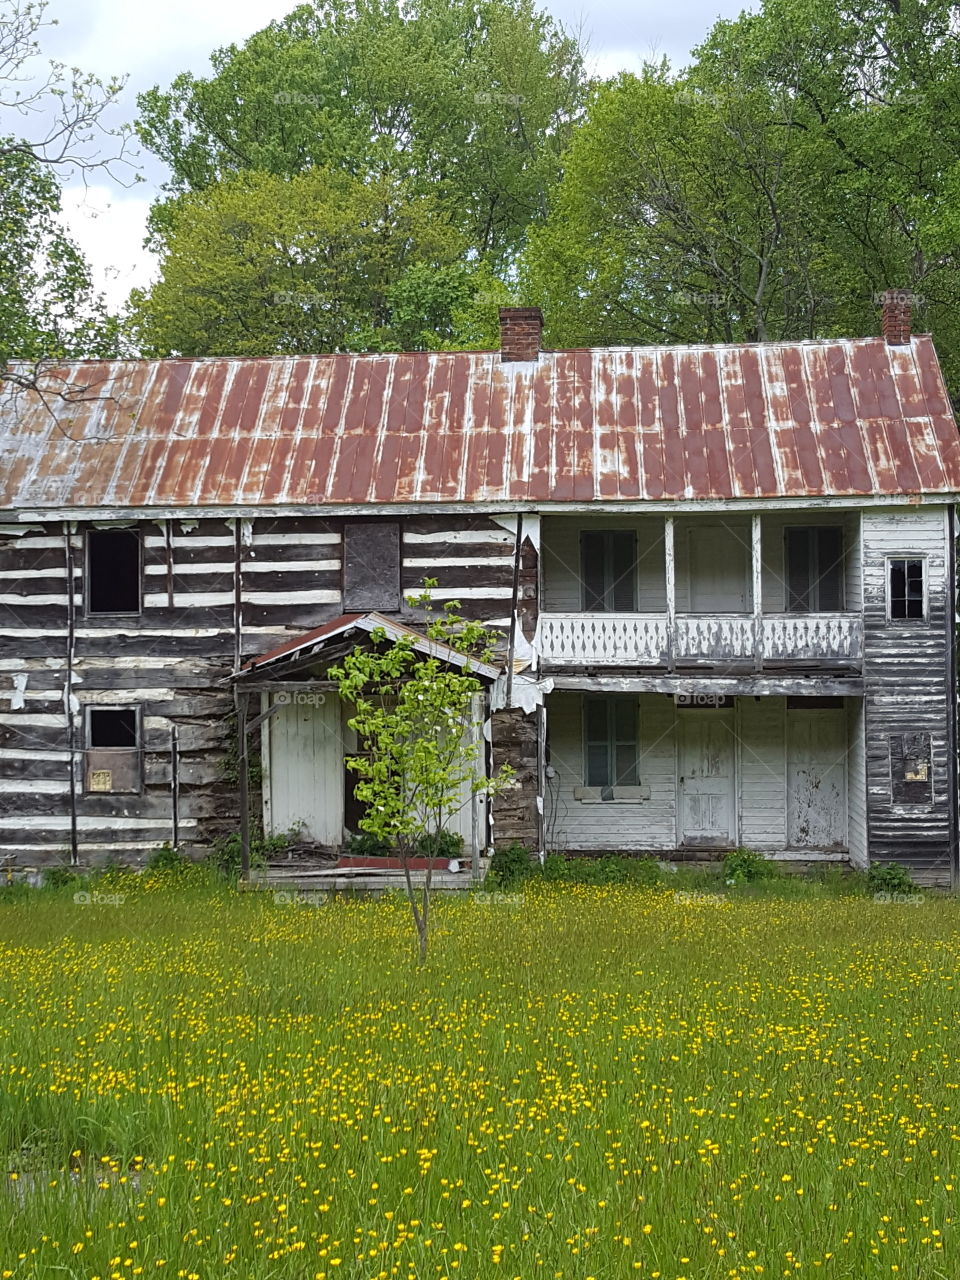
point(503, 99)
point(899, 297)
point(695, 298)
point(297, 298)
point(297, 699)
point(94, 899)
point(499, 899)
point(900, 899)
point(292, 98)
point(293, 898)
point(699, 896)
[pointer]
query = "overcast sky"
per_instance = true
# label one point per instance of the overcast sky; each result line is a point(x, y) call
point(152, 42)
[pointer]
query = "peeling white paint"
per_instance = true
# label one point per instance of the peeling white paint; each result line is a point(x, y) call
point(18, 691)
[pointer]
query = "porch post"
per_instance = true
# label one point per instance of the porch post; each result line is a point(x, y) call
point(756, 560)
point(669, 561)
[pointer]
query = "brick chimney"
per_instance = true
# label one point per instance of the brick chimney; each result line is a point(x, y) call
point(520, 330)
point(897, 305)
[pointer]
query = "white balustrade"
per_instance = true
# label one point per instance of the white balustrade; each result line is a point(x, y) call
point(643, 640)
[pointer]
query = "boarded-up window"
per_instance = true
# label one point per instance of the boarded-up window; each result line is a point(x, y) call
point(113, 571)
point(113, 758)
point(371, 566)
point(814, 563)
point(610, 742)
point(906, 588)
point(911, 769)
point(608, 571)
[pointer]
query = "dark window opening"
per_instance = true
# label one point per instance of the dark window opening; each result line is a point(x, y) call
point(611, 742)
point(608, 570)
point(818, 702)
point(371, 566)
point(115, 727)
point(814, 563)
point(113, 571)
point(906, 589)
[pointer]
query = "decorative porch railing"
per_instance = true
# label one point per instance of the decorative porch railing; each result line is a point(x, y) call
point(646, 640)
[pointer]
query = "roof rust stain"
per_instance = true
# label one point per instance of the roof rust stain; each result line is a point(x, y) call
point(807, 419)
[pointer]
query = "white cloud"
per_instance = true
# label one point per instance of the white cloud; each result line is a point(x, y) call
point(110, 230)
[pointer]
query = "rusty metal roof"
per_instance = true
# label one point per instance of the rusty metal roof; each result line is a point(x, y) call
point(779, 420)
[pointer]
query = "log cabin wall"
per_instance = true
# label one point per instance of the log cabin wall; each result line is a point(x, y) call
point(214, 591)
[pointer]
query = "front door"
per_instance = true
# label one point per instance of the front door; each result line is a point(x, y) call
point(816, 779)
point(706, 779)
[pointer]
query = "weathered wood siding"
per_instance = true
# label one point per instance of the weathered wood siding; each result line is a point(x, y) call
point(515, 813)
point(905, 673)
point(215, 591)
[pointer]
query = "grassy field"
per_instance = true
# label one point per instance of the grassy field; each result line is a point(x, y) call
point(583, 1082)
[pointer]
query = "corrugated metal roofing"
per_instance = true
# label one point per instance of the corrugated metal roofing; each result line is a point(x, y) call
point(855, 417)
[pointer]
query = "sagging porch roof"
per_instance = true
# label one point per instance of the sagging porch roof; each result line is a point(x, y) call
point(300, 649)
point(838, 418)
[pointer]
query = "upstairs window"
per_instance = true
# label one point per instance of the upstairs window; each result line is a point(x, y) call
point(610, 736)
point(814, 563)
point(906, 588)
point(113, 571)
point(371, 566)
point(608, 571)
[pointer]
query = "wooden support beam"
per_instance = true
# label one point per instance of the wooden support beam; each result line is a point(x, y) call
point(756, 564)
point(670, 567)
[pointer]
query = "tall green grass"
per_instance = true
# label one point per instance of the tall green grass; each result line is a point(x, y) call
point(583, 1082)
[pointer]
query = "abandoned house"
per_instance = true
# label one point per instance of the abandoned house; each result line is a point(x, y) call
point(724, 578)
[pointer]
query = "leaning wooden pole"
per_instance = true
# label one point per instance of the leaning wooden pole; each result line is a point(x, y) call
point(241, 705)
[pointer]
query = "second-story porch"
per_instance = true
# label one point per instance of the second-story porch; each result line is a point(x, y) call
point(711, 592)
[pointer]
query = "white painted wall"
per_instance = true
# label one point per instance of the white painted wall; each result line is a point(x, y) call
point(304, 782)
point(763, 784)
point(856, 783)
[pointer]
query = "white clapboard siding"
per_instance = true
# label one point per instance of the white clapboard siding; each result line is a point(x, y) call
point(762, 768)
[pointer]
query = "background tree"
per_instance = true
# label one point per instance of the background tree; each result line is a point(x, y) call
point(801, 165)
point(51, 127)
point(419, 141)
point(412, 715)
point(471, 101)
point(323, 261)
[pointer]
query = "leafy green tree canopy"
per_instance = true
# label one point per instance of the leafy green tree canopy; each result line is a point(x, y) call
point(803, 163)
point(470, 101)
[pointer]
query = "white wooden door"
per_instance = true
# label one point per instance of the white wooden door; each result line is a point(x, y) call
point(816, 779)
point(718, 563)
point(304, 786)
point(707, 813)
